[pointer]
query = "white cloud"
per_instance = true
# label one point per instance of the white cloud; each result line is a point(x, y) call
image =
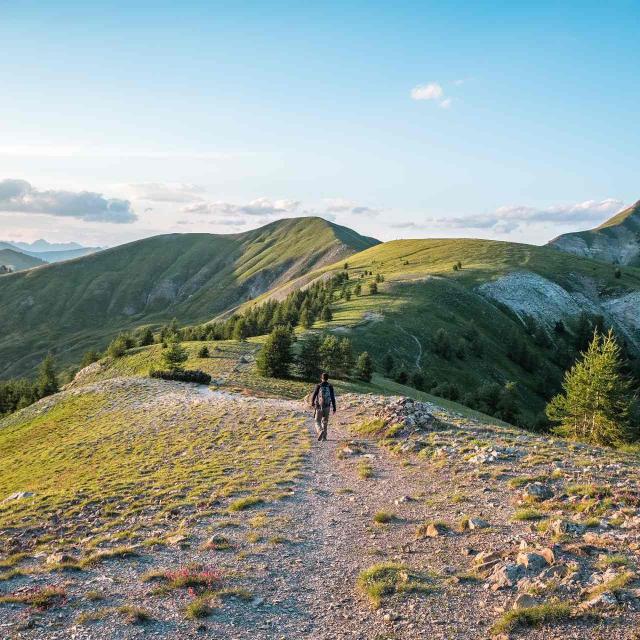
point(230, 211)
point(19, 196)
point(165, 191)
point(507, 219)
point(341, 205)
point(431, 91)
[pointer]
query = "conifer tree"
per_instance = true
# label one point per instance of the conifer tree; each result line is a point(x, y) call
point(308, 360)
point(47, 381)
point(275, 359)
point(596, 400)
point(175, 355)
point(364, 367)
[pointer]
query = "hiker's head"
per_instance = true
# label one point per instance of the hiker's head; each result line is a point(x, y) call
point(324, 377)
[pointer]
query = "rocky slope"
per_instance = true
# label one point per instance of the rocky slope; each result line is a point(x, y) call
point(616, 241)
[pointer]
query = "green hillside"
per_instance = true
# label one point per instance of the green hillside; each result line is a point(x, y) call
point(616, 240)
point(422, 294)
point(70, 307)
point(17, 260)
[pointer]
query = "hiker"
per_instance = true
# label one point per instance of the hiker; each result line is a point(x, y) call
point(322, 400)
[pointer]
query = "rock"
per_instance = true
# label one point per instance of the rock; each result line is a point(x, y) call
point(524, 601)
point(537, 491)
point(532, 561)
point(505, 575)
point(548, 554)
point(176, 538)
point(59, 558)
point(402, 500)
point(477, 523)
point(560, 527)
point(434, 529)
point(554, 573)
point(19, 495)
point(606, 600)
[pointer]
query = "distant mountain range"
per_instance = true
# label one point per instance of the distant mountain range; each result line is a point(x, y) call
point(616, 241)
point(43, 252)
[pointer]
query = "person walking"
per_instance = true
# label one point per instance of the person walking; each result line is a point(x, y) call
point(322, 401)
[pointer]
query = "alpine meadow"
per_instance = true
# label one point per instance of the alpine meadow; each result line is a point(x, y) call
point(319, 322)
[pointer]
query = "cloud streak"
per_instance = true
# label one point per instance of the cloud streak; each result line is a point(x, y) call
point(176, 192)
point(509, 218)
point(19, 196)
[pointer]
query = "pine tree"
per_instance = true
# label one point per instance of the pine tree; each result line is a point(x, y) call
point(306, 320)
point(275, 359)
point(442, 343)
point(331, 355)
point(326, 314)
point(373, 288)
point(308, 360)
point(364, 367)
point(388, 364)
point(346, 356)
point(203, 351)
point(47, 381)
point(596, 402)
point(175, 355)
point(357, 289)
point(145, 337)
point(240, 330)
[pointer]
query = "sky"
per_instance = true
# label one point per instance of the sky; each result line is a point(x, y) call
point(120, 120)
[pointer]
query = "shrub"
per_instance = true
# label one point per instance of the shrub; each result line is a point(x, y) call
point(387, 363)
point(181, 375)
point(203, 351)
point(373, 288)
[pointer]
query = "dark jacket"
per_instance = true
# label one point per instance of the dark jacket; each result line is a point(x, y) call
point(316, 392)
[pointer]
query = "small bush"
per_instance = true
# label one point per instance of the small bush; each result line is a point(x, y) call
point(203, 352)
point(184, 375)
point(383, 517)
point(389, 578)
point(245, 503)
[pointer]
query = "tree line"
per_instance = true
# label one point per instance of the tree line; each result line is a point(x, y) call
point(18, 393)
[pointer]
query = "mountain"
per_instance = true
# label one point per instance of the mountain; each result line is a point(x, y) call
point(39, 246)
point(506, 295)
point(72, 306)
point(16, 260)
point(616, 241)
point(50, 252)
point(61, 255)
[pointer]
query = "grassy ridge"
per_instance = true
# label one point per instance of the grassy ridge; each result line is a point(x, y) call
point(422, 294)
point(70, 307)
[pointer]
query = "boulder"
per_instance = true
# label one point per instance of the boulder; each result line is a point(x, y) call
point(505, 575)
point(524, 601)
point(532, 561)
point(477, 523)
point(537, 491)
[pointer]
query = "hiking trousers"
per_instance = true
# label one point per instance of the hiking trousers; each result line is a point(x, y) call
point(322, 422)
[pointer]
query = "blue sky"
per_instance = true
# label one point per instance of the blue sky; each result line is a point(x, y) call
point(505, 120)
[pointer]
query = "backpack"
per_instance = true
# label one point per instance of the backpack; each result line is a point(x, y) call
point(324, 397)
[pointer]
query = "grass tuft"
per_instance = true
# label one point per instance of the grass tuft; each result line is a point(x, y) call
point(532, 617)
point(389, 578)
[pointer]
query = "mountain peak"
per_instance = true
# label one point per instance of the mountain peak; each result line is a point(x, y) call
point(616, 240)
